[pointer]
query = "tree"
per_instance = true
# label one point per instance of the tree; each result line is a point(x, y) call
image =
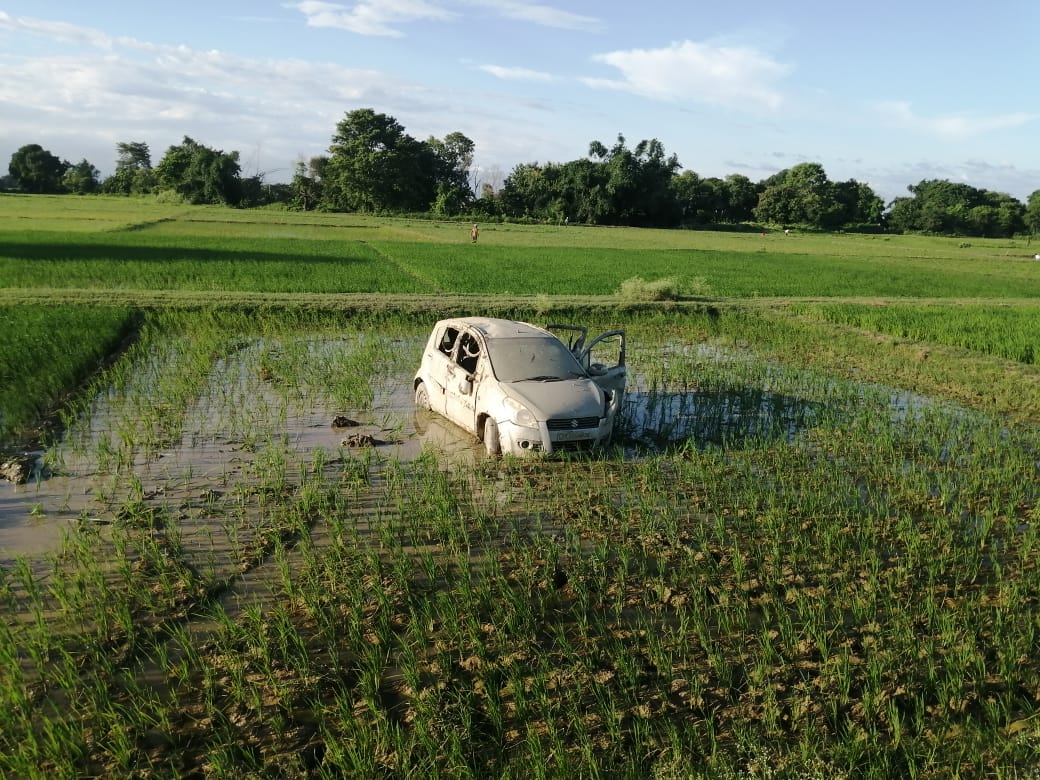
point(454, 156)
point(638, 182)
point(1031, 217)
point(780, 203)
point(741, 198)
point(133, 174)
point(702, 201)
point(529, 192)
point(36, 170)
point(200, 174)
point(81, 178)
point(581, 193)
point(133, 155)
point(375, 166)
point(859, 203)
point(803, 195)
point(942, 205)
point(903, 215)
point(953, 208)
point(306, 185)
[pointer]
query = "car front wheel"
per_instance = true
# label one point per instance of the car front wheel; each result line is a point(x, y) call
point(422, 397)
point(491, 441)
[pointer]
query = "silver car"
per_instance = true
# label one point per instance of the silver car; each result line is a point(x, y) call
point(521, 389)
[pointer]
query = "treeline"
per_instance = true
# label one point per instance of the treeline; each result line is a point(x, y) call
point(374, 166)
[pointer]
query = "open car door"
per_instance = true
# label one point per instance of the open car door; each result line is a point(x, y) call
point(604, 359)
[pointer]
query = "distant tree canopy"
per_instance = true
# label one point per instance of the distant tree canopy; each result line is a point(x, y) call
point(1032, 214)
point(81, 179)
point(200, 174)
point(133, 174)
point(940, 206)
point(36, 170)
point(803, 195)
point(373, 165)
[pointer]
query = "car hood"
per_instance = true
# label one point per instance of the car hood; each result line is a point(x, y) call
point(564, 398)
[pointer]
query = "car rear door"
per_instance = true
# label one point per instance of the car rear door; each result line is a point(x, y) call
point(460, 386)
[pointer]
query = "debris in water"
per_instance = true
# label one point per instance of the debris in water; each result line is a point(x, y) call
point(18, 468)
point(360, 440)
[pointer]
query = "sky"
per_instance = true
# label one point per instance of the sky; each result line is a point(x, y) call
point(888, 93)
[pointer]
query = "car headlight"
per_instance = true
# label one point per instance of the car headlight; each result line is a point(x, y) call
point(519, 413)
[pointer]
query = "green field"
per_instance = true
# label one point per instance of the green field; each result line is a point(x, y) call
point(133, 246)
point(813, 551)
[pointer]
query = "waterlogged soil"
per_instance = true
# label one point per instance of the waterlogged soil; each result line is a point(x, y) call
point(196, 477)
point(201, 480)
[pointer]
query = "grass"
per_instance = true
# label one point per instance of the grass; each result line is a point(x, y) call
point(130, 244)
point(46, 352)
point(813, 554)
point(1010, 333)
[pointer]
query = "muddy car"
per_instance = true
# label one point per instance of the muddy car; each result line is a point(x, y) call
point(522, 389)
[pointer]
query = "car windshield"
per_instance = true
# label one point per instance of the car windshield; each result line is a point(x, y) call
point(532, 358)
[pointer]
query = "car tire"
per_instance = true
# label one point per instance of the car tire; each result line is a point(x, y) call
point(492, 443)
point(422, 397)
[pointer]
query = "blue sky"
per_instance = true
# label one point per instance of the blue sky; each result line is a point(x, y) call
point(888, 93)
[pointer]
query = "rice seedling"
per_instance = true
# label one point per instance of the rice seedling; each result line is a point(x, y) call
point(40, 362)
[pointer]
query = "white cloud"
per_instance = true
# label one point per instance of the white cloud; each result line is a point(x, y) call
point(384, 17)
point(732, 76)
point(950, 126)
point(370, 17)
point(80, 103)
point(59, 31)
point(516, 74)
point(542, 15)
point(84, 103)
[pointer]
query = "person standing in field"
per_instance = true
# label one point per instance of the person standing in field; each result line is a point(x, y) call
point(474, 233)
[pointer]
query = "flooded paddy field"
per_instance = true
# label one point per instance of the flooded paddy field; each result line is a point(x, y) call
point(249, 555)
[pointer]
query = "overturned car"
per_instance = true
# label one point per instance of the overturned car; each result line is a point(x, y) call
point(522, 389)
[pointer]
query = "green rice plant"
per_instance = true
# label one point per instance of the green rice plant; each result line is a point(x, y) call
point(40, 363)
point(157, 247)
point(844, 587)
point(1004, 331)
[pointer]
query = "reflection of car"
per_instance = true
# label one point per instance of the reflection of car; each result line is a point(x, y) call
point(519, 388)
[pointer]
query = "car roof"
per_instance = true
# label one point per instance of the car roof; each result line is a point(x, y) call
point(495, 328)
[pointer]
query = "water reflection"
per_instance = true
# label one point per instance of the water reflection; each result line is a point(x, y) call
point(658, 420)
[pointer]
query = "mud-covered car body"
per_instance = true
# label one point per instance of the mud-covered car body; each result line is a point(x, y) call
point(519, 388)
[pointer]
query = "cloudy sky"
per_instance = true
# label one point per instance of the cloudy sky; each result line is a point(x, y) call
point(889, 92)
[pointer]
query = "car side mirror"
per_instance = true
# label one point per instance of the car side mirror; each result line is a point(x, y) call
point(466, 386)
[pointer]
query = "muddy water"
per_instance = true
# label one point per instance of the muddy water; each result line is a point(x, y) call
point(241, 431)
point(200, 473)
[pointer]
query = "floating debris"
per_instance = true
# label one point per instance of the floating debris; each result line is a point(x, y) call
point(18, 468)
point(357, 440)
